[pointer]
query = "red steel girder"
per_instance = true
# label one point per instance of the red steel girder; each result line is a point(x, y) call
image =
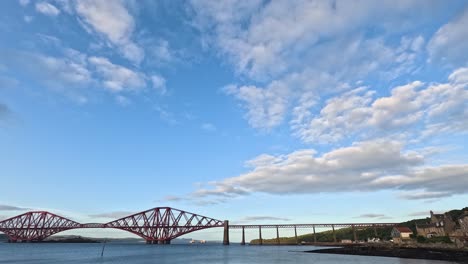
point(163, 223)
point(35, 226)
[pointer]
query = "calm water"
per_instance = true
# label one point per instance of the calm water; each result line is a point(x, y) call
point(193, 254)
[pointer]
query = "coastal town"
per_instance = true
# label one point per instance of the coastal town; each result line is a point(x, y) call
point(440, 228)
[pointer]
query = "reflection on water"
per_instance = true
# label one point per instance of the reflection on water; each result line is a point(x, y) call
point(193, 254)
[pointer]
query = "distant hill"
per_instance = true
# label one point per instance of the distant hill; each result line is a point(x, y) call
point(362, 234)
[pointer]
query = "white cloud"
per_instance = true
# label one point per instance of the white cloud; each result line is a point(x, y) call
point(438, 108)
point(66, 70)
point(113, 215)
point(4, 207)
point(449, 43)
point(380, 216)
point(265, 107)
point(267, 39)
point(115, 77)
point(364, 166)
point(262, 218)
point(417, 195)
point(47, 9)
point(112, 19)
point(159, 84)
point(275, 43)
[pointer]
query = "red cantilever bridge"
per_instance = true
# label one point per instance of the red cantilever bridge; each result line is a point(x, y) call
point(157, 226)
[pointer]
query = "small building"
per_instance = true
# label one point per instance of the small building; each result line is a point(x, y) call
point(430, 230)
point(444, 221)
point(401, 233)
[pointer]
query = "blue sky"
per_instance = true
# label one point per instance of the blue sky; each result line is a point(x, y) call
point(257, 111)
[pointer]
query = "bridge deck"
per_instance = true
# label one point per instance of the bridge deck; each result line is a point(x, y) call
point(342, 225)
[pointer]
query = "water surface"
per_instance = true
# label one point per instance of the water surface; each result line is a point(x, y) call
point(30, 253)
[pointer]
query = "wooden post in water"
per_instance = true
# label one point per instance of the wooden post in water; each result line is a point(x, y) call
point(277, 236)
point(295, 235)
point(103, 247)
point(243, 236)
point(226, 233)
point(260, 235)
point(334, 234)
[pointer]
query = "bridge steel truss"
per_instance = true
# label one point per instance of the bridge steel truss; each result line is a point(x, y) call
point(35, 226)
point(161, 225)
point(157, 226)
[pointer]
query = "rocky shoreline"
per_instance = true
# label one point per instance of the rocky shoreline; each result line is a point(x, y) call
point(459, 256)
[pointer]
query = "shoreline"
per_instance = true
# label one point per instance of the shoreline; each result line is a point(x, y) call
point(460, 256)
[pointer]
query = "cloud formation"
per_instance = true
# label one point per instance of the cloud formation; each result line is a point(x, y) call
point(438, 106)
point(112, 20)
point(45, 8)
point(112, 215)
point(4, 207)
point(285, 46)
point(116, 77)
point(263, 218)
point(379, 216)
point(448, 45)
point(364, 166)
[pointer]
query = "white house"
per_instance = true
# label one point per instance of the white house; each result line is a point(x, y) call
point(400, 233)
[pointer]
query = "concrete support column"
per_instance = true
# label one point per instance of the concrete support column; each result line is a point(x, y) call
point(277, 236)
point(243, 235)
point(354, 233)
point(334, 233)
point(315, 236)
point(260, 235)
point(295, 235)
point(226, 233)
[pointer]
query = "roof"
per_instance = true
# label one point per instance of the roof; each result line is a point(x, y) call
point(403, 229)
point(425, 225)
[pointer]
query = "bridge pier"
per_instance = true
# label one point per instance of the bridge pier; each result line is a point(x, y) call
point(334, 234)
point(226, 233)
point(315, 235)
point(277, 236)
point(354, 233)
point(243, 236)
point(295, 235)
point(260, 235)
